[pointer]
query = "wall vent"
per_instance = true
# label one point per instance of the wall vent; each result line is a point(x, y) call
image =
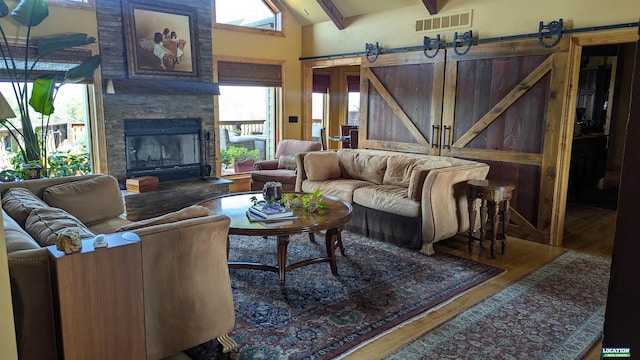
point(444, 22)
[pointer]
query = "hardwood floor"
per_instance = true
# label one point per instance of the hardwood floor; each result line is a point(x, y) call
point(588, 230)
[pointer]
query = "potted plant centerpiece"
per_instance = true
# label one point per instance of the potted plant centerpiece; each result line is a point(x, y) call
point(241, 158)
point(18, 68)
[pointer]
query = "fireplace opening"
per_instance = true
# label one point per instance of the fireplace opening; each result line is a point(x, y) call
point(167, 148)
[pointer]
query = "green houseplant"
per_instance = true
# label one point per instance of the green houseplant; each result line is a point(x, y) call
point(235, 155)
point(28, 14)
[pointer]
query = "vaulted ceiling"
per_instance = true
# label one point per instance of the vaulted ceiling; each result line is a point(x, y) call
point(315, 11)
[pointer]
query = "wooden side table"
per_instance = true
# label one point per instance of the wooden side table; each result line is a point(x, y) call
point(99, 300)
point(495, 196)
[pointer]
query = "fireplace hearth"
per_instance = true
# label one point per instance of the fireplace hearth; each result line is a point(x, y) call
point(167, 148)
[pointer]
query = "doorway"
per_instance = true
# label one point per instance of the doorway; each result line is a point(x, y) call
point(602, 108)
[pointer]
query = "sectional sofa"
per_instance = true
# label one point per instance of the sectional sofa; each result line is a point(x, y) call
point(412, 200)
point(187, 292)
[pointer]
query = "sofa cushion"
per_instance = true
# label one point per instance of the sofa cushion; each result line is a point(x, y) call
point(322, 165)
point(362, 166)
point(283, 176)
point(341, 188)
point(19, 202)
point(193, 211)
point(44, 225)
point(287, 162)
point(89, 200)
point(15, 237)
point(388, 198)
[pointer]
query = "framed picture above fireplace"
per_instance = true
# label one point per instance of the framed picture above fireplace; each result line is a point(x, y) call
point(161, 40)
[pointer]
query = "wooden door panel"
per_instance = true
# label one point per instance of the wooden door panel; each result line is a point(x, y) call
point(403, 102)
point(504, 110)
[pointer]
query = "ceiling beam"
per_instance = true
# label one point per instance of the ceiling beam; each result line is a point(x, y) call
point(432, 6)
point(333, 13)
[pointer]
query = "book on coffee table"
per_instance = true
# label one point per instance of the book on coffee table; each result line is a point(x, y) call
point(254, 218)
point(271, 211)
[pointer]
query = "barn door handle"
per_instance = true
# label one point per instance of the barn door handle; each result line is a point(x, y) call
point(446, 138)
point(433, 136)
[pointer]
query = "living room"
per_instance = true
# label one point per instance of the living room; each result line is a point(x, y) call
point(304, 38)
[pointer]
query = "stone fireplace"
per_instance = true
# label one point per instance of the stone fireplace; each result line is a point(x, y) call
point(162, 103)
point(167, 148)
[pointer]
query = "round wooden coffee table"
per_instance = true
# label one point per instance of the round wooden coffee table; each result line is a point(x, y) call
point(331, 219)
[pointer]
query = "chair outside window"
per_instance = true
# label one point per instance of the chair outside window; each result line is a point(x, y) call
point(345, 131)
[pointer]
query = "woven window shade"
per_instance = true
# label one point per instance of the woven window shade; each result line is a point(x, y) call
point(353, 83)
point(321, 83)
point(55, 62)
point(249, 74)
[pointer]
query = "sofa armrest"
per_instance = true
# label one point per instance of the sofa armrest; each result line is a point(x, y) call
point(301, 173)
point(444, 201)
point(32, 298)
point(187, 289)
point(265, 165)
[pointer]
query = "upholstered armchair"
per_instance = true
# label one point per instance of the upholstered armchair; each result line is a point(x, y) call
point(283, 167)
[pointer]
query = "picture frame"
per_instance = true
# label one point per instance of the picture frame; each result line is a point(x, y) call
point(161, 40)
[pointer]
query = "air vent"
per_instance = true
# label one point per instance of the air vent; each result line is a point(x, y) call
point(444, 22)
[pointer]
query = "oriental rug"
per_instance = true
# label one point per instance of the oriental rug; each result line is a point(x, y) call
point(556, 312)
point(317, 315)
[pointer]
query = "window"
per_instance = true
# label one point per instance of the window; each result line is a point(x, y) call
point(67, 138)
point(254, 14)
point(247, 121)
point(353, 105)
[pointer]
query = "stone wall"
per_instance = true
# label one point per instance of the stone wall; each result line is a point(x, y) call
point(111, 39)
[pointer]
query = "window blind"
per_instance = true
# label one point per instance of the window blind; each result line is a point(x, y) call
point(56, 62)
point(321, 83)
point(353, 83)
point(249, 74)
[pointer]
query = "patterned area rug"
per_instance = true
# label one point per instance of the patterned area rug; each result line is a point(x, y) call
point(319, 316)
point(556, 312)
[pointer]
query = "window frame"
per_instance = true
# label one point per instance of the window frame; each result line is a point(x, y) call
point(273, 5)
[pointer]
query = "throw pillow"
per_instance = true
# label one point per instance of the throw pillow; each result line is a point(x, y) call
point(287, 162)
point(190, 212)
point(322, 165)
point(89, 200)
point(45, 224)
point(399, 169)
point(19, 202)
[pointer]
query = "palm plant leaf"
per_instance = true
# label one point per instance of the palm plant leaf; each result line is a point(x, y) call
point(31, 12)
point(83, 71)
point(51, 43)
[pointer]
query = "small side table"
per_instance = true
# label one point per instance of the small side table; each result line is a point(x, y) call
point(99, 299)
point(495, 196)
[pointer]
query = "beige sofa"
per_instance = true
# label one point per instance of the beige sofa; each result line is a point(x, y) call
point(412, 200)
point(187, 292)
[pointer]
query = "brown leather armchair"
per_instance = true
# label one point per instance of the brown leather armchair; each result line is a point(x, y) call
point(283, 167)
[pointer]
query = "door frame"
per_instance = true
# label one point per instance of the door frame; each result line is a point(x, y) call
point(307, 85)
point(559, 206)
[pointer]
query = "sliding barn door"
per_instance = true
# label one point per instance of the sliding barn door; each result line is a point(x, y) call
point(401, 102)
point(504, 105)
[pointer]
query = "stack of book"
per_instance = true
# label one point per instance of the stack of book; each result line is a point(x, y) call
point(270, 212)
